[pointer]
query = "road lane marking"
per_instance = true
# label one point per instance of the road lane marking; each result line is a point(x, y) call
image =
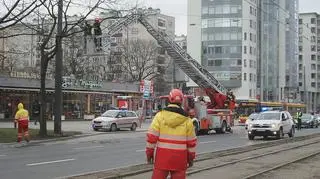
point(207, 142)
point(89, 147)
point(49, 162)
point(142, 150)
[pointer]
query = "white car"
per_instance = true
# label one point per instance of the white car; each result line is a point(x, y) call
point(272, 123)
point(250, 119)
point(112, 120)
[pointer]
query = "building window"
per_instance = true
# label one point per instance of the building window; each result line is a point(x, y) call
point(300, 57)
point(218, 63)
point(313, 84)
point(245, 76)
point(313, 20)
point(313, 48)
point(300, 21)
point(313, 57)
point(313, 75)
point(210, 63)
point(300, 66)
point(300, 39)
point(245, 62)
point(251, 10)
point(313, 38)
point(250, 50)
point(251, 22)
point(300, 83)
point(313, 30)
point(239, 62)
point(245, 49)
point(250, 36)
point(300, 76)
point(300, 48)
point(300, 30)
point(313, 66)
point(250, 63)
point(245, 36)
point(250, 77)
point(254, 64)
point(250, 93)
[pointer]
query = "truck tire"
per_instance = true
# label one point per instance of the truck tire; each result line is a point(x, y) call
point(196, 127)
point(223, 128)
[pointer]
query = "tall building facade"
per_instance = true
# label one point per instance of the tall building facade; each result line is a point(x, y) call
point(309, 60)
point(278, 59)
point(250, 46)
point(222, 36)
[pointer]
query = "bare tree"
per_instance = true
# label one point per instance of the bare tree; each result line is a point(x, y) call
point(15, 11)
point(46, 30)
point(139, 59)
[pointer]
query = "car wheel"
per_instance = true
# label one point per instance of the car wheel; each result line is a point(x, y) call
point(291, 133)
point(280, 133)
point(251, 137)
point(113, 128)
point(224, 127)
point(134, 127)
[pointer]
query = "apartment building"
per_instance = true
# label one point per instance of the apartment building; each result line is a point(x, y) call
point(309, 59)
point(249, 45)
point(222, 36)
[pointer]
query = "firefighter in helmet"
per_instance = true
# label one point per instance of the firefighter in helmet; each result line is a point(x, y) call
point(172, 134)
point(22, 118)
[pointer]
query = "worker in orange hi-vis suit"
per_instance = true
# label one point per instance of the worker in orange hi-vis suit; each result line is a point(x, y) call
point(172, 133)
point(22, 118)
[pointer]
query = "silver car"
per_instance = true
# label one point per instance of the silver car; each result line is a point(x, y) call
point(113, 120)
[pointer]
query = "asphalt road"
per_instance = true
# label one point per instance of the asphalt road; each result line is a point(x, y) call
point(110, 150)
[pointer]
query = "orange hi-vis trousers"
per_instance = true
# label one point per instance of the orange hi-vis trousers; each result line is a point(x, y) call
point(23, 129)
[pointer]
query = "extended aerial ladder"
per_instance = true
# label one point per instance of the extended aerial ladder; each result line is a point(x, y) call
point(190, 66)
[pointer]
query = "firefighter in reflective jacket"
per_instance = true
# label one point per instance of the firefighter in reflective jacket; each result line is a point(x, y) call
point(172, 133)
point(22, 118)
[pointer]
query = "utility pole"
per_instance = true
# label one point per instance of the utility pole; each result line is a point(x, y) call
point(58, 74)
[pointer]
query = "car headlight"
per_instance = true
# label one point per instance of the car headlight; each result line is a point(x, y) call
point(250, 125)
point(273, 125)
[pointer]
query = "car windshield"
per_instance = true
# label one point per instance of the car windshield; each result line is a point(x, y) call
point(110, 113)
point(269, 116)
point(253, 116)
point(306, 117)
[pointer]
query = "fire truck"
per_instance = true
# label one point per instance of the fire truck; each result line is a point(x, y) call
point(218, 113)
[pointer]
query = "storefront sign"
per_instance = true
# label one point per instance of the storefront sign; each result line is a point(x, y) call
point(68, 82)
point(146, 87)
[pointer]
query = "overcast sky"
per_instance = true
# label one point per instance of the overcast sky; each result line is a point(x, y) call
point(178, 9)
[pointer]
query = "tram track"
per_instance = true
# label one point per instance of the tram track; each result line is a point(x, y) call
point(212, 160)
point(280, 166)
point(192, 172)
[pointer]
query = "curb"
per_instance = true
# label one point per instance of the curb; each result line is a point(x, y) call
point(143, 168)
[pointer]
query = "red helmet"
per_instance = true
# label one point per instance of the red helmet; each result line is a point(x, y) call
point(176, 96)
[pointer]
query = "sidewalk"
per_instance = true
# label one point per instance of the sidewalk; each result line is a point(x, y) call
point(81, 126)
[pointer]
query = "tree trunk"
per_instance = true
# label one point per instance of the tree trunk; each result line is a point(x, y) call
point(43, 122)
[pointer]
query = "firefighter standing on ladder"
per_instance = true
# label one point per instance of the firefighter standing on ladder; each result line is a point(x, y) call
point(172, 132)
point(22, 118)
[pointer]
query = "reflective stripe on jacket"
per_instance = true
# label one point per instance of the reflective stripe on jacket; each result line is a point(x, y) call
point(21, 114)
point(172, 133)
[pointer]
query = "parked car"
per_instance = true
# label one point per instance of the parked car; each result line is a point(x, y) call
point(271, 123)
point(309, 121)
point(252, 117)
point(113, 120)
